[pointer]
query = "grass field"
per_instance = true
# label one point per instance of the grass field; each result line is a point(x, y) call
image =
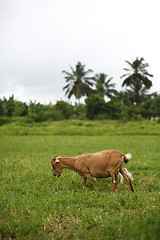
point(37, 205)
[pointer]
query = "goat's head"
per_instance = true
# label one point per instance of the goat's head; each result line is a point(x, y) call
point(57, 166)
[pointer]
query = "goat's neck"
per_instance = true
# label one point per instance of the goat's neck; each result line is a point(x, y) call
point(68, 162)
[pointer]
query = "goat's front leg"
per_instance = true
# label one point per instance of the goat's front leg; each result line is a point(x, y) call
point(89, 177)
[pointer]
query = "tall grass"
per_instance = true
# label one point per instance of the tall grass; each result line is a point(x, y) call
point(37, 205)
point(78, 127)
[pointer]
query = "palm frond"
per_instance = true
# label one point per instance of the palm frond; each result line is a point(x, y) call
point(128, 81)
point(124, 75)
point(79, 84)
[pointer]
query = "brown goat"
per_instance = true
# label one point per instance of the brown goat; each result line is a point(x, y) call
point(101, 164)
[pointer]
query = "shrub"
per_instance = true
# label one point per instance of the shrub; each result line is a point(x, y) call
point(64, 108)
point(95, 107)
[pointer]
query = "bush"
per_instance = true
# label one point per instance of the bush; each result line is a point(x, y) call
point(95, 107)
point(114, 110)
point(20, 109)
point(4, 120)
point(120, 107)
point(79, 111)
point(64, 108)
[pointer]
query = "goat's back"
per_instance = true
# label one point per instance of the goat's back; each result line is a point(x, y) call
point(103, 159)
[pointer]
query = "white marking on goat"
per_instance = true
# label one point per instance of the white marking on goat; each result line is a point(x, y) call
point(114, 180)
point(122, 178)
point(129, 174)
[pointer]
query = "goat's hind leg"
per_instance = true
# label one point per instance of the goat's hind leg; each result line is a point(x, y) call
point(122, 178)
point(115, 181)
point(128, 180)
point(84, 182)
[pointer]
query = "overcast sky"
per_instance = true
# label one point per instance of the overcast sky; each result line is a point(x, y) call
point(41, 38)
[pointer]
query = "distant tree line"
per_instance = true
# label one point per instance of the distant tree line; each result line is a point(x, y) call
point(131, 104)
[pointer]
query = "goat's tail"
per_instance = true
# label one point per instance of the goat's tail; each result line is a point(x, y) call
point(127, 157)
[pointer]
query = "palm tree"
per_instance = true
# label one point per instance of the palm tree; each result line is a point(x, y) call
point(104, 87)
point(137, 79)
point(77, 83)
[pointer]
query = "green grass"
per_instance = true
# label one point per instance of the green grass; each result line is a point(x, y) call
point(82, 128)
point(36, 205)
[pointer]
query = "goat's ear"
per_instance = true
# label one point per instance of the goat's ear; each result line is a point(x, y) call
point(57, 161)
